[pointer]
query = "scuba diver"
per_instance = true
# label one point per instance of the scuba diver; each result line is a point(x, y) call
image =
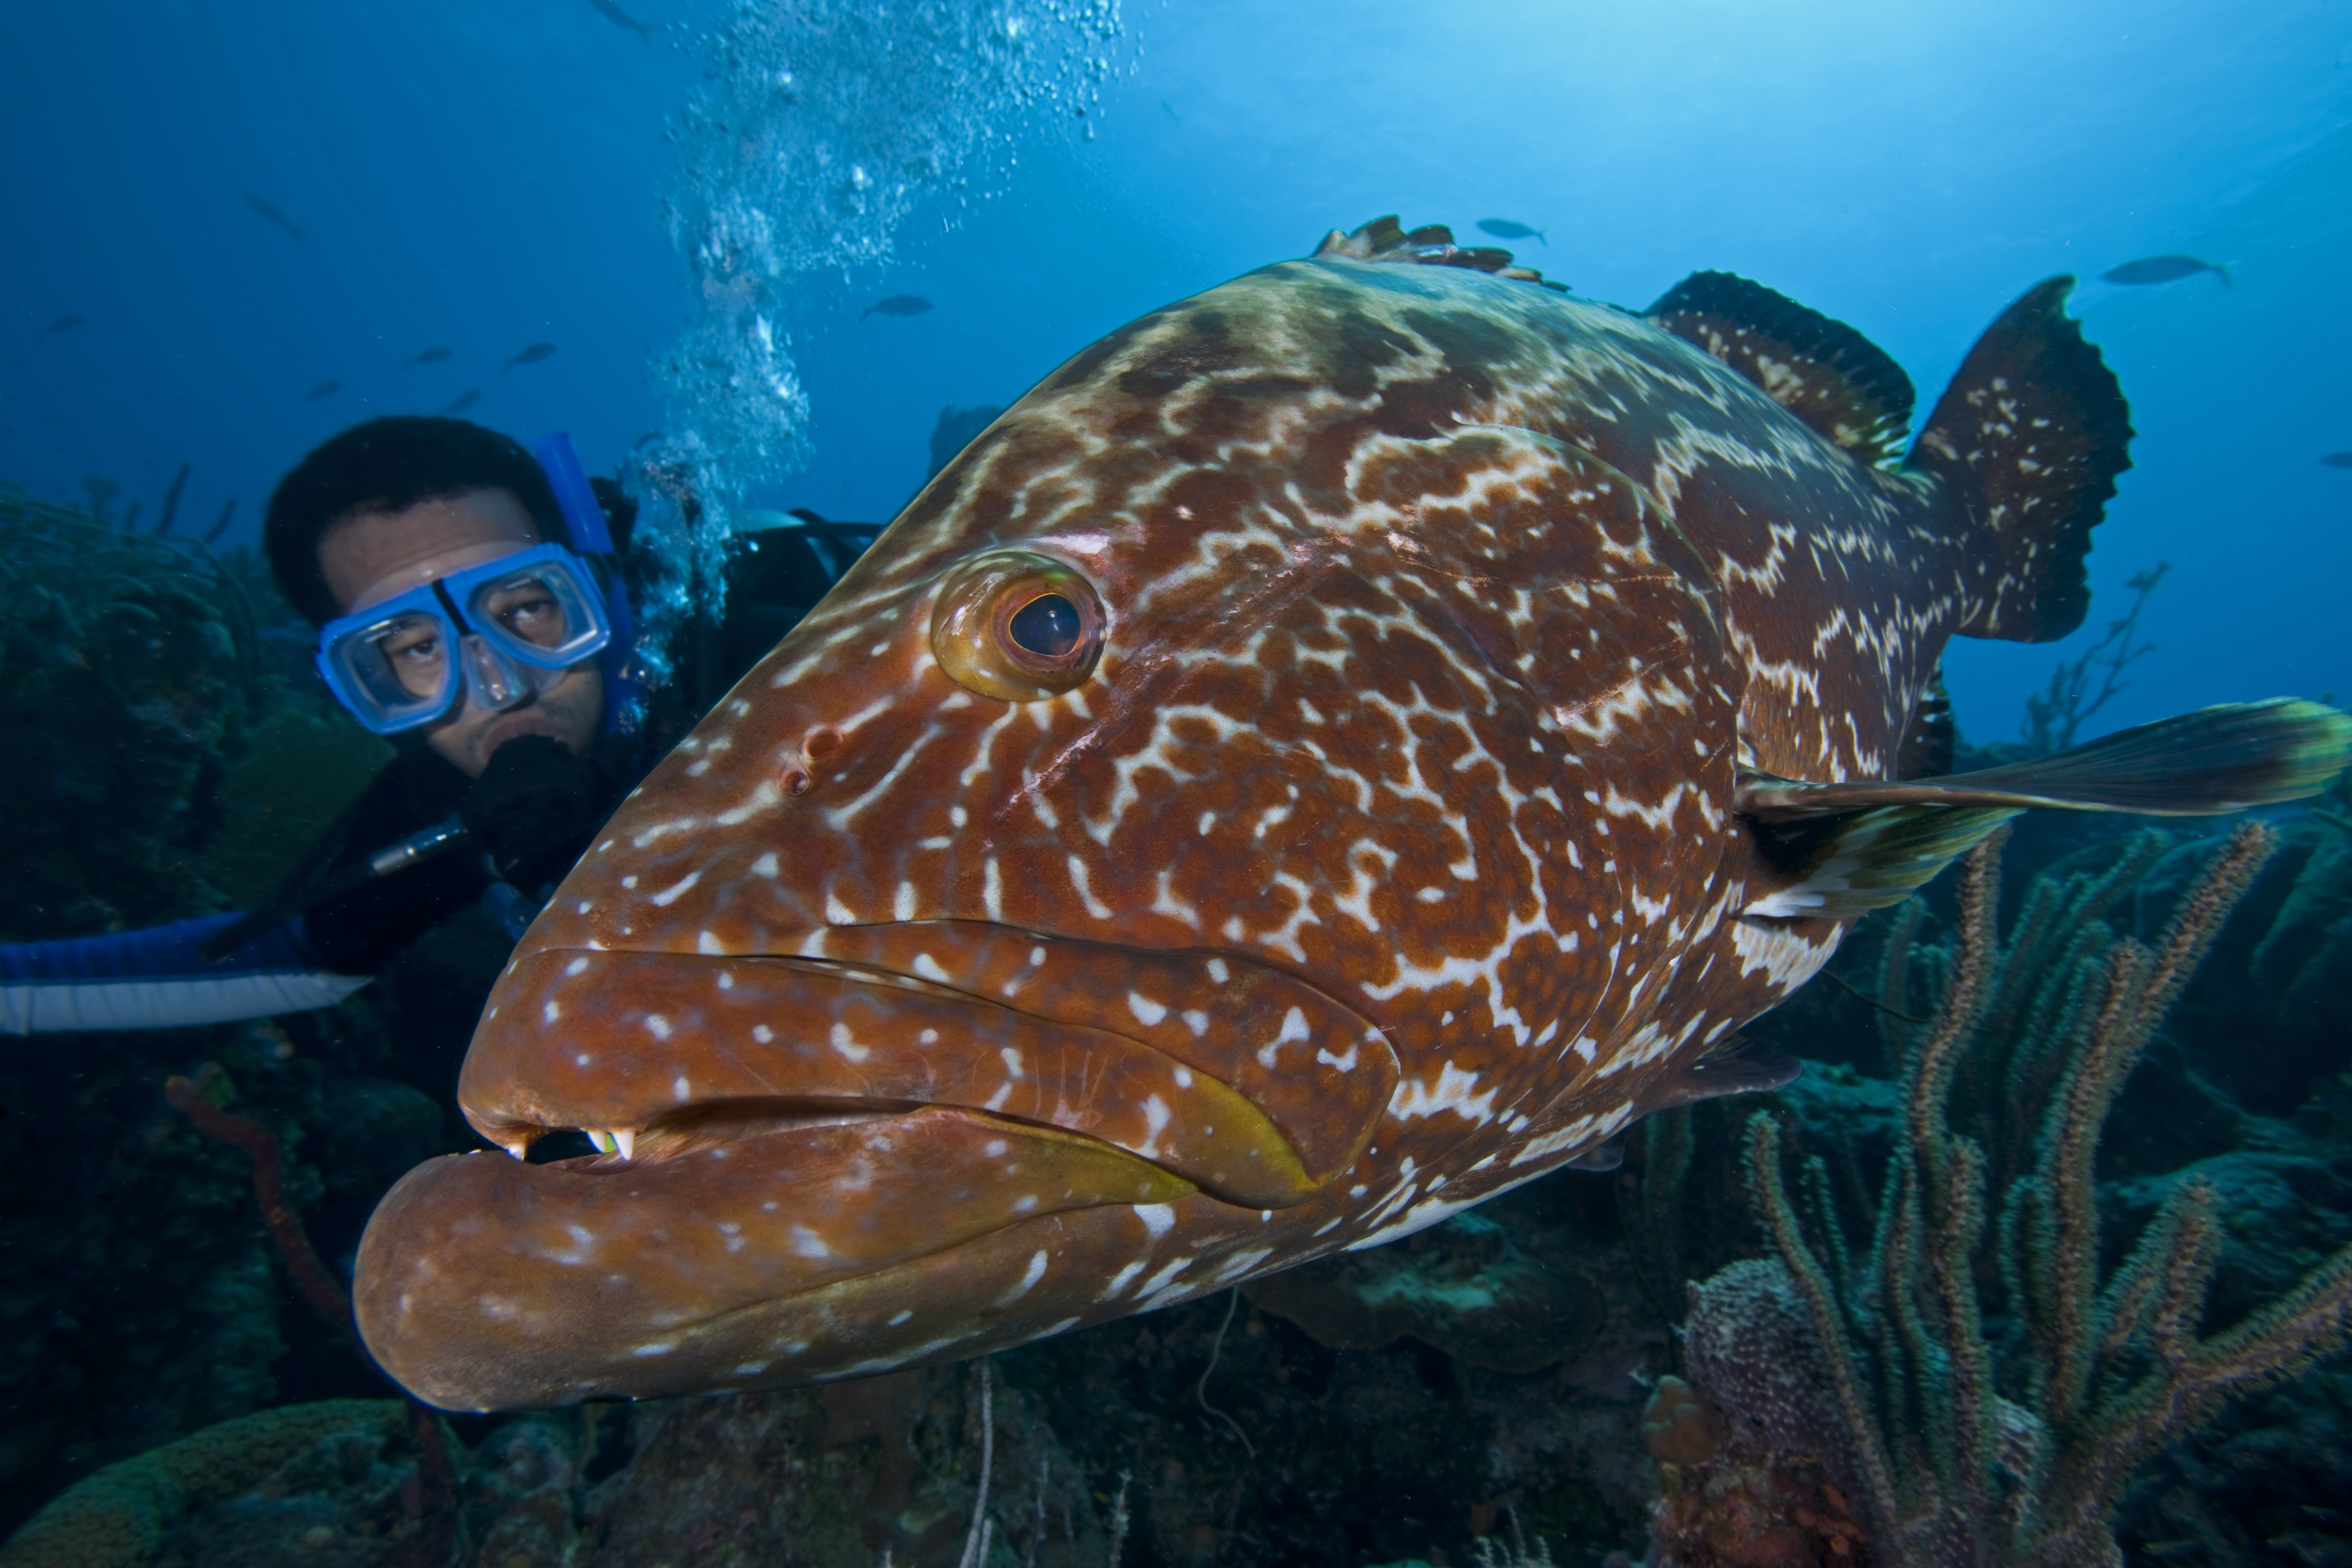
point(471, 608)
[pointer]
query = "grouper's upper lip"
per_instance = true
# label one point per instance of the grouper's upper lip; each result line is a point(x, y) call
point(1241, 1080)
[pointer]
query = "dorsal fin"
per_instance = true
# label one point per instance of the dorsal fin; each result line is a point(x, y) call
point(1824, 372)
point(1432, 244)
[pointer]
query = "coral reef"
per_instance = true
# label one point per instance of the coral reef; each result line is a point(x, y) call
point(170, 761)
point(1964, 1441)
point(128, 670)
point(119, 1517)
point(1468, 1289)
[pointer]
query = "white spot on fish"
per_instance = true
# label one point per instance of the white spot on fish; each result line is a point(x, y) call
point(1036, 1271)
point(671, 895)
point(1155, 1120)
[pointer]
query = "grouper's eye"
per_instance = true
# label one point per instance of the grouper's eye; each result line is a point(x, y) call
point(1017, 626)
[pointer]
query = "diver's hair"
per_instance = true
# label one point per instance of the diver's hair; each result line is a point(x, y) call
point(390, 464)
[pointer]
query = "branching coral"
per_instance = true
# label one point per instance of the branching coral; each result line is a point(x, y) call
point(1966, 1447)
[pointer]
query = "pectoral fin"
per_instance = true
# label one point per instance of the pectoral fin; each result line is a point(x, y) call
point(1849, 848)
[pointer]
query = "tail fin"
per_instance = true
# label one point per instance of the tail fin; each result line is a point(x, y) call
point(2028, 440)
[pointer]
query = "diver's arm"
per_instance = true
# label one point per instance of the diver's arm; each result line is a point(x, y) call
point(161, 977)
point(158, 979)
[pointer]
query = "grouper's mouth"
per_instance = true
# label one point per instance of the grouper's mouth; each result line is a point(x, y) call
point(818, 1164)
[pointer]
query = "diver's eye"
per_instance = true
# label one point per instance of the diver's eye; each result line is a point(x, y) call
point(1017, 626)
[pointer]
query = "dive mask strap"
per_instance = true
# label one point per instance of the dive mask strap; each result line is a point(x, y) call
point(584, 516)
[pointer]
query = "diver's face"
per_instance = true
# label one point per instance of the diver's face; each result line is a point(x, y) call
point(369, 556)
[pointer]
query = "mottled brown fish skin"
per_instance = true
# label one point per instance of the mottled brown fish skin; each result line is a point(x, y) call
point(1439, 609)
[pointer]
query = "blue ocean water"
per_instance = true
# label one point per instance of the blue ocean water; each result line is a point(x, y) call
point(482, 178)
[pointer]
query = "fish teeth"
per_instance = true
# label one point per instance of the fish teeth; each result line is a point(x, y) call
point(519, 1148)
point(604, 1142)
point(627, 1138)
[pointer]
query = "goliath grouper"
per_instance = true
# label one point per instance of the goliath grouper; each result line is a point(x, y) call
point(1344, 745)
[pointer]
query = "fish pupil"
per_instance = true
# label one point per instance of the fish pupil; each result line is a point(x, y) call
point(1047, 627)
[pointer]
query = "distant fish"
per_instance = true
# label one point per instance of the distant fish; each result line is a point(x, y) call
point(1172, 112)
point(65, 323)
point(896, 305)
point(642, 440)
point(427, 356)
point(2339, 459)
point(531, 354)
point(620, 18)
point(272, 214)
point(1504, 228)
point(323, 390)
point(463, 401)
point(2164, 270)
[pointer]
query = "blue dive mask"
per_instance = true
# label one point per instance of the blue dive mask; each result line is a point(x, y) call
point(490, 631)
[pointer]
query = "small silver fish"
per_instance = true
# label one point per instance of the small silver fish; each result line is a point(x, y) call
point(2150, 270)
point(620, 18)
point(896, 305)
point(272, 214)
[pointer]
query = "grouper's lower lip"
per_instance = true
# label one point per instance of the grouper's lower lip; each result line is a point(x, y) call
point(484, 1282)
